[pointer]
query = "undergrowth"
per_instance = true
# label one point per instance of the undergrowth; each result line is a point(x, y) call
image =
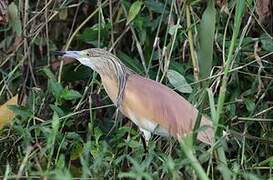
point(66, 126)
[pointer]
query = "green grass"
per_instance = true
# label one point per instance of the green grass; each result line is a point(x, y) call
point(66, 126)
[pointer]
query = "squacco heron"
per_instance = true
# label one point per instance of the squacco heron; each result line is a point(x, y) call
point(153, 107)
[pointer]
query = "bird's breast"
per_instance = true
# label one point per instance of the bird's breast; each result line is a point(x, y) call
point(134, 107)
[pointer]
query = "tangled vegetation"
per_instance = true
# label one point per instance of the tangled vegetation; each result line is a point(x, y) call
point(215, 53)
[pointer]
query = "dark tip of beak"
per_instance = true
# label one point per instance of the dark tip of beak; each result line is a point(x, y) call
point(57, 53)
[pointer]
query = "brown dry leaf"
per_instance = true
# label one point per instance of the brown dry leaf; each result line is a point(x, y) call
point(263, 8)
point(6, 114)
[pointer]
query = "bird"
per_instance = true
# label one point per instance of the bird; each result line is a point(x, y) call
point(152, 106)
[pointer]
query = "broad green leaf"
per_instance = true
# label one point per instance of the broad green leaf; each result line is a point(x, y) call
point(55, 123)
point(55, 88)
point(94, 150)
point(14, 18)
point(225, 171)
point(73, 136)
point(133, 144)
point(178, 81)
point(177, 66)
point(267, 43)
point(48, 73)
point(251, 176)
point(206, 37)
point(76, 150)
point(133, 11)
point(61, 162)
point(21, 111)
point(81, 73)
point(70, 94)
point(155, 6)
point(131, 63)
point(98, 134)
point(250, 105)
point(90, 34)
point(57, 109)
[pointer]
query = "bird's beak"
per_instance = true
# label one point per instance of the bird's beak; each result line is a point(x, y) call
point(72, 54)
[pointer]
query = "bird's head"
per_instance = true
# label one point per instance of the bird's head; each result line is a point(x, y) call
point(103, 62)
point(99, 60)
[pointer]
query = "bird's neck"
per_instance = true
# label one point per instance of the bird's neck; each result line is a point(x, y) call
point(114, 75)
point(111, 86)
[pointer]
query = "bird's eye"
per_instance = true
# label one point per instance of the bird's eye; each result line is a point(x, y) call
point(88, 54)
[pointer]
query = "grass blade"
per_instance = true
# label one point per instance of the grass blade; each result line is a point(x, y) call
point(238, 18)
point(187, 149)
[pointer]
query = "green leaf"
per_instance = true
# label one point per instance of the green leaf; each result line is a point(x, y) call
point(14, 18)
point(55, 123)
point(250, 105)
point(206, 38)
point(131, 63)
point(174, 28)
point(98, 134)
point(55, 88)
point(133, 144)
point(73, 136)
point(178, 81)
point(70, 94)
point(90, 34)
point(250, 176)
point(155, 6)
point(61, 162)
point(267, 43)
point(133, 11)
point(82, 73)
point(76, 151)
point(21, 111)
point(49, 74)
point(57, 109)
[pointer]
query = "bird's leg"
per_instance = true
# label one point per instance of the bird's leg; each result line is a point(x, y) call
point(147, 136)
point(143, 142)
